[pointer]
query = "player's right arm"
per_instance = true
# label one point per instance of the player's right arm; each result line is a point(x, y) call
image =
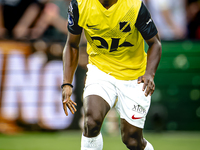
point(70, 62)
point(70, 56)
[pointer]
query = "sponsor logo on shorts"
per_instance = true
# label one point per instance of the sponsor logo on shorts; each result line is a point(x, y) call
point(138, 109)
point(133, 117)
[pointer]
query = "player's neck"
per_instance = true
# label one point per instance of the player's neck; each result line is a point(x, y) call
point(108, 3)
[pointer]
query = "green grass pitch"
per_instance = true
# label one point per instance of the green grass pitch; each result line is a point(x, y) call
point(70, 140)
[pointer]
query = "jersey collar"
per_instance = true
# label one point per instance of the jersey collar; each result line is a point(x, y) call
point(109, 11)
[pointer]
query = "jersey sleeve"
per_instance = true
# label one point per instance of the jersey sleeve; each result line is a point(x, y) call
point(145, 24)
point(73, 16)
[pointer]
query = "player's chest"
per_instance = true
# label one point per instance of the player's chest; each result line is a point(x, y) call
point(110, 34)
point(116, 22)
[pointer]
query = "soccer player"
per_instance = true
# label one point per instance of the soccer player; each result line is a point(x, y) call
point(120, 73)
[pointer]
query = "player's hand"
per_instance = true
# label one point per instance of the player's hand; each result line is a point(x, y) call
point(67, 102)
point(149, 84)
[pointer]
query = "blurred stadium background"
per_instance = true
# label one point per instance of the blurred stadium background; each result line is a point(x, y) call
point(32, 37)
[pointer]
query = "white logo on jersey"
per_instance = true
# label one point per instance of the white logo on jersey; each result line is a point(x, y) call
point(70, 8)
point(70, 15)
point(70, 20)
point(150, 20)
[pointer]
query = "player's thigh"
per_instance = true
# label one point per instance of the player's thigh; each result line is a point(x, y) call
point(132, 135)
point(98, 99)
point(95, 107)
point(99, 93)
point(128, 130)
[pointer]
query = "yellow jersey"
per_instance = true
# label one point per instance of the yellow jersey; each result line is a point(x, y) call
point(115, 36)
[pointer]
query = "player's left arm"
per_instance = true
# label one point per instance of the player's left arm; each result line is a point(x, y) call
point(153, 59)
point(147, 28)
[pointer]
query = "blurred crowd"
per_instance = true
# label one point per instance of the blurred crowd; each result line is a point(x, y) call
point(37, 21)
point(176, 19)
point(34, 19)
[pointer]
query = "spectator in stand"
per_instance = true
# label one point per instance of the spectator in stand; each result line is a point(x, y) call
point(16, 26)
point(32, 18)
point(169, 17)
point(50, 19)
point(193, 18)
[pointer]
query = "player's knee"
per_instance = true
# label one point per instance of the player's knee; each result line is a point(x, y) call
point(92, 126)
point(132, 143)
